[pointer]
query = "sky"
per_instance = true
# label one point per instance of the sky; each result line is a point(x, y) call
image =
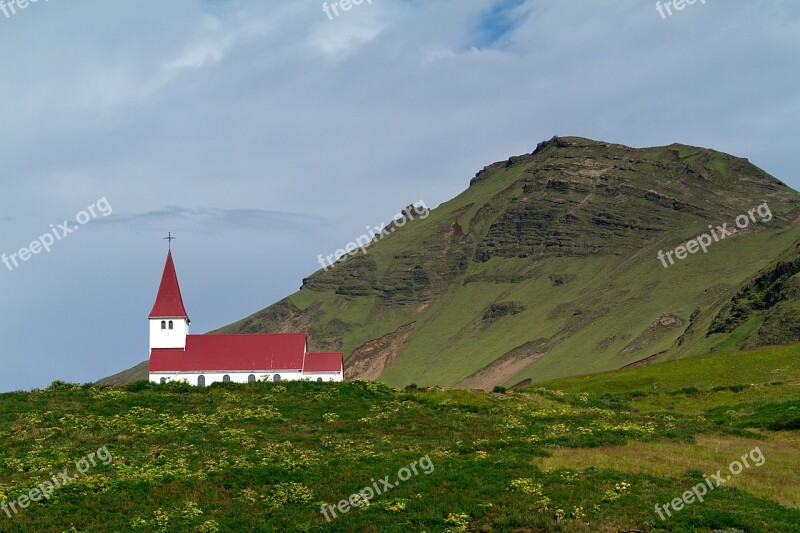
point(265, 133)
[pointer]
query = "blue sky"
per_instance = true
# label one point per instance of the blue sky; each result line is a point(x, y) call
point(263, 134)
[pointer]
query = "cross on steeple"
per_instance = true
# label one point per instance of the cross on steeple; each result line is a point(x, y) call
point(169, 238)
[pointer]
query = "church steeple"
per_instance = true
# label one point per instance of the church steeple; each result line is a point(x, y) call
point(169, 322)
point(169, 302)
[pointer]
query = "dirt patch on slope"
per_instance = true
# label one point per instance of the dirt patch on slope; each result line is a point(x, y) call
point(644, 362)
point(369, 360)
point(508, 365)
point(662, 326)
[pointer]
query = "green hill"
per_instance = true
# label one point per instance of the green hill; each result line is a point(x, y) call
point(761, 366)
point(592, 453)
point(132, 375)
point(546, 266)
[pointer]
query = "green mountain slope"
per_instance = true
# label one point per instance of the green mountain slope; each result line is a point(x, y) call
point(546, 266)
point(750, 368)
point(126, 377)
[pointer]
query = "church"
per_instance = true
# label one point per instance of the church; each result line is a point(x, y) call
point(201, 360)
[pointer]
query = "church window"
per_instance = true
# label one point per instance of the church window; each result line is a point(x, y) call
point(163, 380)
point(319, 379)
point(251, 378)
point(276, 377)
point(201, 381)
point(226, 378)
point(170, 324)
point(163, 324)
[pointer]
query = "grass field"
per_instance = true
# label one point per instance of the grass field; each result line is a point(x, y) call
point(595, 453)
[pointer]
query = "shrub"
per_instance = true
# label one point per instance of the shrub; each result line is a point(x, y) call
point(733, 388)
point(499, 389)
point(785, 424)
point(223, 385)
point(59, 385)
point(140, 386)
point(182, 386)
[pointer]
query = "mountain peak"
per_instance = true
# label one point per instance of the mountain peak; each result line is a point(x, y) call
point(566, 142)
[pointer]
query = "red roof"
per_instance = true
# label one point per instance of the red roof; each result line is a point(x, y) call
point(243, 353)
point(169, 303)
point(323, 362)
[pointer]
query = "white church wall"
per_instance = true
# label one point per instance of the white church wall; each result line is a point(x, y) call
point(324, 376)
point(168, 338)
point(216, 377)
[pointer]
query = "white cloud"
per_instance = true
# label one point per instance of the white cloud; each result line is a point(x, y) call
point(200, 55)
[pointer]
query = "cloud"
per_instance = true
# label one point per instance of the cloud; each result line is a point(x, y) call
point(214, 220)
point(199, 55)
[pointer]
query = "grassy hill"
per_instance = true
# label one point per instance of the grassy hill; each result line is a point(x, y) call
point(546, 267)
point(765, 365)
point(593, 453)
point(126, 377)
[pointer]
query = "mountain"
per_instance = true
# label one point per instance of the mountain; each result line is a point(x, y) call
point(548, 266)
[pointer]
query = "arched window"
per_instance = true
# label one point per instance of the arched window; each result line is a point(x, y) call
point(171, 325)
point(201, 381)
point(163, 324)
point(226, 378)
point(276, 377)
point(251, 378)
point(163, 380)
point(319, 379)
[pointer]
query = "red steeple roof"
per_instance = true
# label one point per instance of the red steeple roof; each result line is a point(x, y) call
point(169, 303)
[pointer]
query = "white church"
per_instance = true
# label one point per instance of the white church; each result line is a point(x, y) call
point(175, 355)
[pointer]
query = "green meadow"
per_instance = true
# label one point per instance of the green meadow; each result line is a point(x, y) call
point(593, 453)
